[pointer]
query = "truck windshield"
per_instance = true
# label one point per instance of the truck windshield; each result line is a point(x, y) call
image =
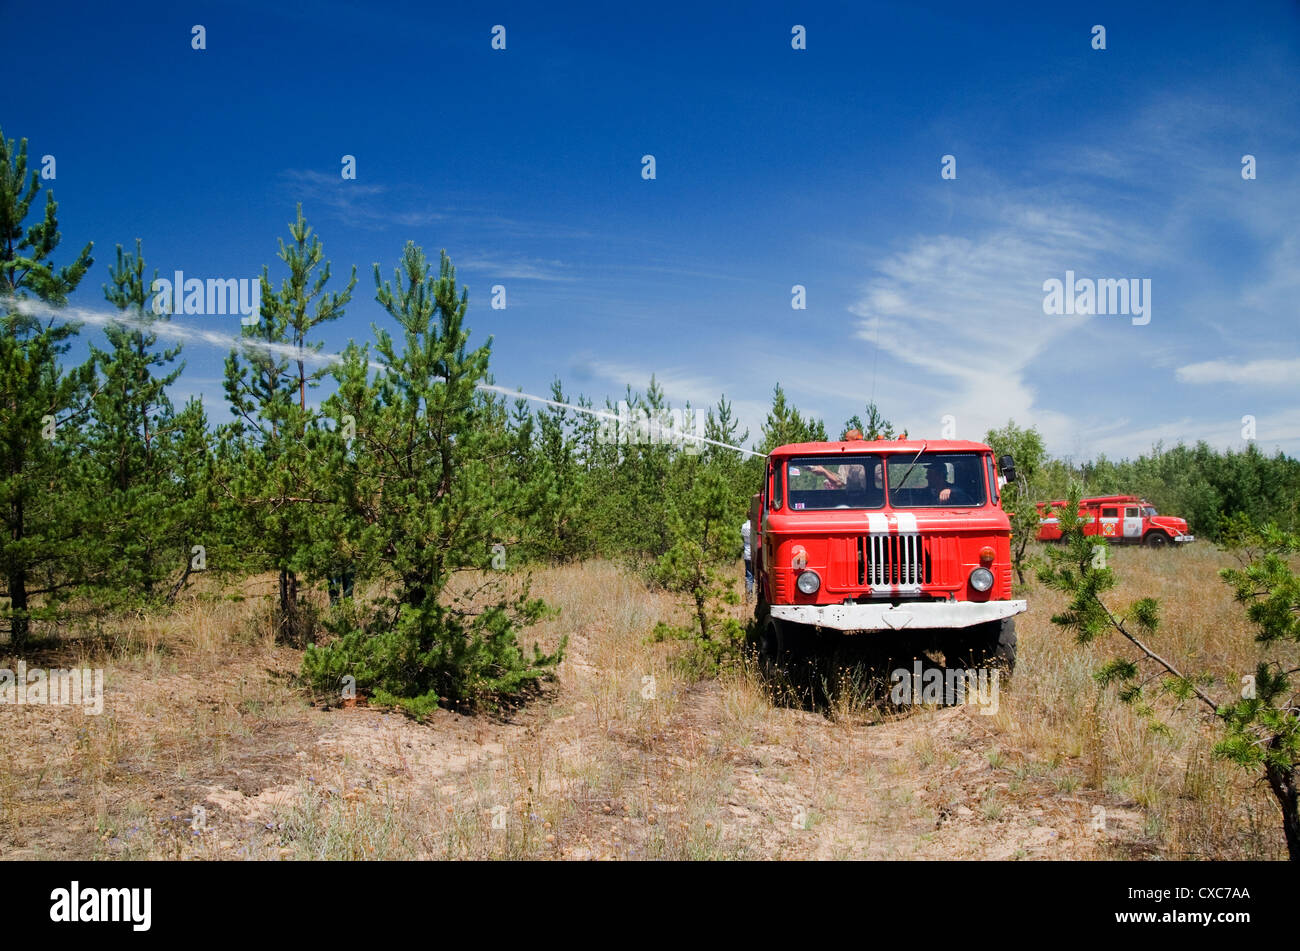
point(835, 482)
point(936, 480)
point(1148, 511)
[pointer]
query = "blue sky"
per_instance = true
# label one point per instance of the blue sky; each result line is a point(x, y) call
point(774, 167)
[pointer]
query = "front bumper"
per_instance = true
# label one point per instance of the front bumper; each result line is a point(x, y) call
point(1184, 538)
point(915, 615)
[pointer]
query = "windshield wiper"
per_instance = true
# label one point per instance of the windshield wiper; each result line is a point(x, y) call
point(903, 481)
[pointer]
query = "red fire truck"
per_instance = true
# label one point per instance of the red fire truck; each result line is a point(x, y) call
point(1120, 518)
point(903, 538)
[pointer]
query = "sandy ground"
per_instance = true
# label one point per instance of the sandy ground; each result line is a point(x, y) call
point(207, 749)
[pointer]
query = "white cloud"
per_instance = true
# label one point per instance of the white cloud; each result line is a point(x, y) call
point(518, 269)
point(1258, 372)
point(965, 316)
point(356, 204)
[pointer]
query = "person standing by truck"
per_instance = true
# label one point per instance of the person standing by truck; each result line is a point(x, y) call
point(745, 532)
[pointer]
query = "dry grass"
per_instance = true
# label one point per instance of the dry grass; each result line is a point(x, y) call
point(623, 757)
point(1193, 805)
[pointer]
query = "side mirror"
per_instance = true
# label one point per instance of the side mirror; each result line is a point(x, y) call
point(1008, 467)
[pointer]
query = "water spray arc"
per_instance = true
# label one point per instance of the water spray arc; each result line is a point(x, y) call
point(172, 330)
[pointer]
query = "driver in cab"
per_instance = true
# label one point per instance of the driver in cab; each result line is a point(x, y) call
point(937, 489)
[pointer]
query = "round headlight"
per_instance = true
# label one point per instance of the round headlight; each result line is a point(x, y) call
point(809, 582)
point(981, 579)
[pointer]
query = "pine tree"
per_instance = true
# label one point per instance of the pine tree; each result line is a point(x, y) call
point(876, 426)
point(785, 424)
point(595, 457)
point(721, 425)
point(267, 390)
point(742, 474)
point(425, 486)
point(553, 485)
point(703, 525)
point(193, 504)
point(647, 461)
point(43, 527)
point(127, 441)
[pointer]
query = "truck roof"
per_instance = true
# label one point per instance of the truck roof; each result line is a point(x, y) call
point(879, 445)
point(1100, 500)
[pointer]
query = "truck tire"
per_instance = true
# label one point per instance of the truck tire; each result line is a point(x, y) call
point(987, 645)
point(773, 646)
point(1003, 653)
point(766, 636)
point(1156, 539)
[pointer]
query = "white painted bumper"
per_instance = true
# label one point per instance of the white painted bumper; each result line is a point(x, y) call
point(885, 617)
point(1184, 538)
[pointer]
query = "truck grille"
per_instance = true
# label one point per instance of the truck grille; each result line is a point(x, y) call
point(893, 561)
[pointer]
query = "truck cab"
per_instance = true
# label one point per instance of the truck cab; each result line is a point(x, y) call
point(887, 536)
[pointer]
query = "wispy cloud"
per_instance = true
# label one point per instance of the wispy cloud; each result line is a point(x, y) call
point(963, 316)
point(356, 204)
point(519, 268)
point(1253, 372)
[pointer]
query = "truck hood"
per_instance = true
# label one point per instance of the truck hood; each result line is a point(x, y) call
point(1176, 525)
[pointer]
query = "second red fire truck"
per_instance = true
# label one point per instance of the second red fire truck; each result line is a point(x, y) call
point(1120, 518)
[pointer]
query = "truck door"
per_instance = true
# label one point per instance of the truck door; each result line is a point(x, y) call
point(775, 499)
point(1109, 521)
point(1132, 523)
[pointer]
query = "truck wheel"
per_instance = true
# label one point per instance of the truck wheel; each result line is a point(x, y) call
point(1157, 539)
point(1004, 646)
point(989, 645)
point(772, 645)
